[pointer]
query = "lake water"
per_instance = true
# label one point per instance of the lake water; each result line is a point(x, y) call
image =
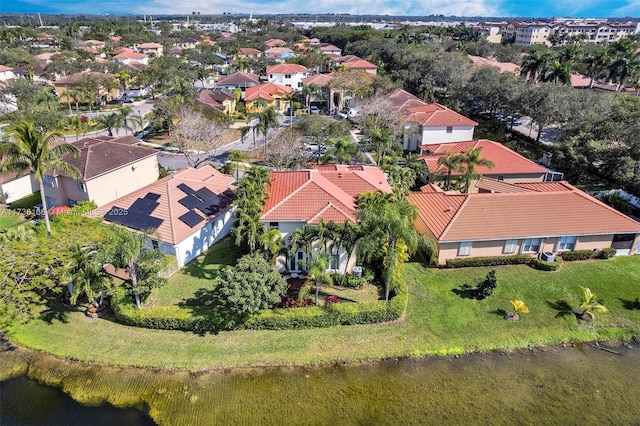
point(575, 385)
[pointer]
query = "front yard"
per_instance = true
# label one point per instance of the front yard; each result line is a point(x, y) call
point(438, 322)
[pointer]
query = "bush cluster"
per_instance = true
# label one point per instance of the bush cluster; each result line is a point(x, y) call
point(352, 281)
point(179, 318)
point(543, 265)
point(570, 256)
point(514, 259)
point(606, 253)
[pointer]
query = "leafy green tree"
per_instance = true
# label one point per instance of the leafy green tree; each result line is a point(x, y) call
point(110, 122)
point(250, 286)
point(322, 129)
point(401, 179)
point(250, 198)
point(453, 162)
point(88, 276)
point(130, 251)
point(471, 160)
point(318, 273)
point(267, 119)
point(237, 156)
point(32, 150)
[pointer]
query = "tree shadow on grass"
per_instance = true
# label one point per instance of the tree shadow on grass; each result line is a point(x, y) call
point(465, 291)
point(202, 297)
point(55, 310)
point(562, 308)
point(630, 305)
point(500, 312)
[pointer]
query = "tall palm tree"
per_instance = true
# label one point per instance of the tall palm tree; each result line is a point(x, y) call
point(471, 159)
point(557, 72)
point(78, 125)
point(271, 242)
point(267, 119)
point(597, 61)
point(349, 236)
point(310, 92)
point(318, 273)
point(291, 97)
point(302, 239)
point(343, 149)
point(453, 162)
point(87, 275)
point(125, 112)
point(623, 55)
point(30, 149)
point(237, 156)
point(110, 122)
point(535, 63)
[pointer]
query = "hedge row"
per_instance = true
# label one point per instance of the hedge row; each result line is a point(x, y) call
point(514, 259)
point(543, 265)
point(187, 319)
point(572, 255)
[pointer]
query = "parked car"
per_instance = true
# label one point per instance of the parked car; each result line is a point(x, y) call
point(289, 112)
point(314, 110)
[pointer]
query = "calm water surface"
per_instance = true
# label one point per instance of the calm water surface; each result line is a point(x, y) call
point(582, 385)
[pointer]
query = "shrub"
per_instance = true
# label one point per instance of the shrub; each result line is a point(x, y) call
point(331, 300)
point(572, 255)
point(543, 265)
point(486, 286)
point(606, 253)
point(514, 259)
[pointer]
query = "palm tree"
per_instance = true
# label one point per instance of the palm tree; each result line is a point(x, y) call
point(291, 97)
point(110, 122)
point(302, 239)
point(453, 162)
point(267, 119)
point(557, 72)
point(271, 242)
point(125, 112)
point(87, 276)
point(597, 61)
point(590, 304)
point(535, 63)
point(310, 92)
point(76, 96)
point(318, 273)
point(343, 149)
point(35, 151)
point(123, 77)
point(237, 156)
point(250, 198)
point(472, 159)
point(78, 125)
point(244, 130)
point(349, 236)
point(623, 55)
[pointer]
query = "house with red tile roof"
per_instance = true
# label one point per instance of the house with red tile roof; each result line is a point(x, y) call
point(110, 167)
point(238, 80)
point(278, 54)
point(508, 166)
point(266, 95)
point(7, 73)
point(64, 83)
point(249, 53)
point(152, 50)
point(327, 48)
point(299, 197)
point(290, 75)
point(190, 211)
point(219, 99)
point(529, 218)
point(355, 63)
point(275, 42)
point(126, 56)
point(429, 123)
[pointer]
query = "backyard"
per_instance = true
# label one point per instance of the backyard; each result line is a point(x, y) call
point(439, 321)
point(14, 215)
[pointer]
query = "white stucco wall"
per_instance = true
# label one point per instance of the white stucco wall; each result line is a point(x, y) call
point(16, 189)
point(295, 81)
point(200, 241)
point(433, 135)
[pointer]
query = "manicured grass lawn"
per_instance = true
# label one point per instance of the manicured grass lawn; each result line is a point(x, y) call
point(438, 321)
point(9, 218)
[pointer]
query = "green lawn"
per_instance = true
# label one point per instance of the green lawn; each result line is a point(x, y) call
point(9, 218)
point(438, 321)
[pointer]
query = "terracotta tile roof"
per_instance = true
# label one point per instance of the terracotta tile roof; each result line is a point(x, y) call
point(274, 42)
point(101, 155)
point(175, 50)
point(214, 98)
point(242, 79)
point(149, 46)
point(321, 80)
point(248, 51)
point(403, 100)
point(518, 215)
point(493, 185)
point(5, 68)
point(328, 47)
point(361, 64)
point(327, 193)
point(136, 65)
point(266, 91)
point(502, 66)
point(173, 230)
point(130, 54)
point(45, 56)
point(505, 161)
point(437, 115)
point(286, 69)
point(73, 78)
point(546, 186)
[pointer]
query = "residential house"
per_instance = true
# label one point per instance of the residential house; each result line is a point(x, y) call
point(321, 81)
point(152, 50)
point(108, 92)
point(190, 210)
point(249, 53)
point(356, 63)
point(275, 42)
point(127, 56)
point(508, 166)
point(219, 99)
point(325, 194)
point(7, 73)
point(188, 43)
point(266, 95)
point(290, 75)
point(327, 48)
point(528, 218)
point(502, 66)
point(278, 54)
point(427, 124)
point(238, 80)
point(109, 167)
point(14, 186)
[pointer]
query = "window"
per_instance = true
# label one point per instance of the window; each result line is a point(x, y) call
point(449, 129)
point(567, 243)
point(270, 76)
point(81, 186)
point(287, 76)
point(154, 244)
point(335, 261)
point(51, 202)
point(531, 245)
point(500, 177)
point(465, 248)
point(299, 84)
point(273, 225)
point(48, 180)
point(510, 246)
point(71, 202)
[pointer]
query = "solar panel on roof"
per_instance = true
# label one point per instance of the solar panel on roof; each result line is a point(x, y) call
point(144, 206)
point(185, 188)
point(209, 209)
point(152, 196)
point(132, 219)
point(191, 218)
point(191, 202)
point(205, 194)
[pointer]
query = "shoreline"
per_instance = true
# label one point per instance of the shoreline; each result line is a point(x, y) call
point(610, 346)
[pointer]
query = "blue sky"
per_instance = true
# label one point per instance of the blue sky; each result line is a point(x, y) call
point(535, 8)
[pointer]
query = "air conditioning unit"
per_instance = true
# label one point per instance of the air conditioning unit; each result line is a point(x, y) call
point(548, 256)
point(357, 271)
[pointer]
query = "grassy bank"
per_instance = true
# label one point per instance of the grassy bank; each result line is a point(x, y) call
point(438, 321)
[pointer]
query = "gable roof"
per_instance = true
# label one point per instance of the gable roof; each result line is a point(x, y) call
point(74, 78)
point(248, 51)
point(150, 46)
point(327, 193)
point(266, 91)
point(126, 53)
point(321, 80)
point(241, 79)
point(471, 217)
point(505, 161)
point(286, 69)
point(437, 115)
point(102, 154)
point(213, 98)
point(172, 230)
point(502, 66)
